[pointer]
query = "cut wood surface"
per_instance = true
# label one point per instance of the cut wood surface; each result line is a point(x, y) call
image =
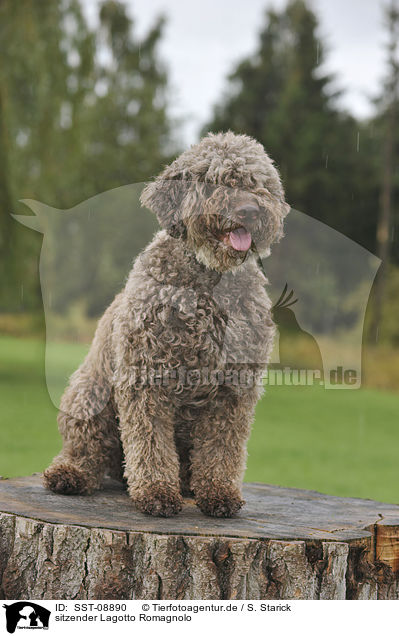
point(284, 544)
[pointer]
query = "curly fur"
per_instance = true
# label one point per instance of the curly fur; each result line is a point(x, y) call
point(191, 303)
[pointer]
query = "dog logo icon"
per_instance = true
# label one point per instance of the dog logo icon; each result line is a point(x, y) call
point(26, 615)
point(84, 257)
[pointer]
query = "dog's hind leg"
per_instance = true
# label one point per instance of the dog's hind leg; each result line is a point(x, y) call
point(88, 422)
point(91, 449)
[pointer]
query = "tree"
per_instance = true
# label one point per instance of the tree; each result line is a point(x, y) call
point(72, 125)
point(45, 59)
point(127, 140)
point(130, 131)
point(280, 96)
point(7, 273)
point(387, 119)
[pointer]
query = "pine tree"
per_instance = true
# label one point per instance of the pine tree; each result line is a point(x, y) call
point(128, 140)
point(386, 122)
point(280, 96)
point(130, 130)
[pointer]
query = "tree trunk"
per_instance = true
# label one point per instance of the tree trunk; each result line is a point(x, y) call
point(388, 166)
point(285, 544)
point(7, 247)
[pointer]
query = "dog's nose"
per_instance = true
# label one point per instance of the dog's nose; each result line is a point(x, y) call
point(247, 214)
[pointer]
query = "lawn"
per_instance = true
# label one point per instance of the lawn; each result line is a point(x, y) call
point(343, 442)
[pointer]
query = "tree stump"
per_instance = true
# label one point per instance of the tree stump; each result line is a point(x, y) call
point(284, 544)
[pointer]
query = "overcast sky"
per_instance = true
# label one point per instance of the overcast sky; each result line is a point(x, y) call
point(204, 39)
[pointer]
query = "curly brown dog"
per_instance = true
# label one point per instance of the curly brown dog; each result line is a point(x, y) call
point(166, 395)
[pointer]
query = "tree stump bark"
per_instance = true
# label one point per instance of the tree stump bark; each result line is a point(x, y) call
point(284, 544)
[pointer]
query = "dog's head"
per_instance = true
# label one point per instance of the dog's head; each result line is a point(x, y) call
point(223, 197)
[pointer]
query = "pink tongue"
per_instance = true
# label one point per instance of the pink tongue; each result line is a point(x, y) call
point(240, 239)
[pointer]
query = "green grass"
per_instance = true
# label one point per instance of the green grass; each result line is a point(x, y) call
point(28, 431)
point(342, 442)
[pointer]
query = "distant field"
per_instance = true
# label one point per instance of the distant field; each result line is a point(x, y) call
point(339, 442)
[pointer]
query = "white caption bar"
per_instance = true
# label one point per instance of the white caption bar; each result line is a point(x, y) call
point(153, 617)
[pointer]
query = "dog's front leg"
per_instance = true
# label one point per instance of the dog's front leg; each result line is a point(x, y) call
point(151, 459)
point(219, 454)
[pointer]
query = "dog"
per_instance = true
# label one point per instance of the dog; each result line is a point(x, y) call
point(165, 398)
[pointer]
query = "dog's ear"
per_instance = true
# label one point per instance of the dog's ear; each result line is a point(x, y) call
point(164, 197)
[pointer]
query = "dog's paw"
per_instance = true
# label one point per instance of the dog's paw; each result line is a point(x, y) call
point(219, 501)
point(158, 499)
point(66, 480)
